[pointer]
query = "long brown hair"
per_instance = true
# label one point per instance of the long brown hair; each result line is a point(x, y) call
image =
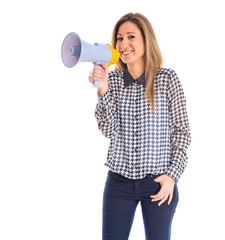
point(153, 57)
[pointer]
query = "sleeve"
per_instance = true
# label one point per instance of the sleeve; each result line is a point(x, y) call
point(105, 114)
point(180, 130)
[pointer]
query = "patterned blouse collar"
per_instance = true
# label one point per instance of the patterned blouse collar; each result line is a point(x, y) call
point(128, 79)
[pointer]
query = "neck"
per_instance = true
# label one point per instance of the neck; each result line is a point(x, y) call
point(136, 70)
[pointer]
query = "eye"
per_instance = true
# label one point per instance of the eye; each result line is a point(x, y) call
point(119, 39)
point(131, 37)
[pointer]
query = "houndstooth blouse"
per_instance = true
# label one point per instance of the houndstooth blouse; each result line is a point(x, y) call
point(143, 142)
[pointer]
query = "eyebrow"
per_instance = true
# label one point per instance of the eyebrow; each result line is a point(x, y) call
point(127, 33)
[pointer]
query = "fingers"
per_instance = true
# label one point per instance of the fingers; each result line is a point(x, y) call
point(98, 73)
point(166, 191)
point(161, 196)
point(170, 198)
point(163, 200)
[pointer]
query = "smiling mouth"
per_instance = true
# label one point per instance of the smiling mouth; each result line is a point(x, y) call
point(126, 53)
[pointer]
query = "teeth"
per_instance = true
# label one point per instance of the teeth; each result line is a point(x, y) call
point(127, 52)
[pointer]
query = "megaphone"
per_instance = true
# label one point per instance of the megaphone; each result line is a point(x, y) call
point(74, 51)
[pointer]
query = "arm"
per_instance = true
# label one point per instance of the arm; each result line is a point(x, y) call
point(105, 114)
point(180, 131)
point(180, 140)
point(105, 111)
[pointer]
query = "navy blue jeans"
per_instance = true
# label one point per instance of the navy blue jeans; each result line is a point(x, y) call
point(121, 197)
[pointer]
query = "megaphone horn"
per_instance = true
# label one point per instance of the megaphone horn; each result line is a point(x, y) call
point(74, 50)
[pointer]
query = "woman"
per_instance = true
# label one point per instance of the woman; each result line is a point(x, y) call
point(141, 108)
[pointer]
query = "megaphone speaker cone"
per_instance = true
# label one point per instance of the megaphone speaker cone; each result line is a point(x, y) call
point(71, 49)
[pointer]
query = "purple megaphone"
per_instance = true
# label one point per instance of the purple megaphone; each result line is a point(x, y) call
point(74, 51)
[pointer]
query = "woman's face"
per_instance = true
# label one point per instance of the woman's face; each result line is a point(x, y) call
point(130, 44)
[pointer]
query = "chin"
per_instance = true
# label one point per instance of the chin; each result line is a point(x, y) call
point(128, 61)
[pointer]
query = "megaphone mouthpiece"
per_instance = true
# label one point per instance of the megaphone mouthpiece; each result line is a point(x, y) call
point(115, 56)
point(75, 51)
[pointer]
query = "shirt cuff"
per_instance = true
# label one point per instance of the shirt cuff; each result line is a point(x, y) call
point(174, 173)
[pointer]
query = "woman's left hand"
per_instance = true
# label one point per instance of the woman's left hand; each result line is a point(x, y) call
point(167, 185)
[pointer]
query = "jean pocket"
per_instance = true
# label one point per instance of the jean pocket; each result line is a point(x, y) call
point(153, 177)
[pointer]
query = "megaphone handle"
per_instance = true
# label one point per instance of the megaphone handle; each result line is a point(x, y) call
point(97, 83)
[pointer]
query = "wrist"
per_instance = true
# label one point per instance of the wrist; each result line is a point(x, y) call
point(171, 178)
point(102, 91)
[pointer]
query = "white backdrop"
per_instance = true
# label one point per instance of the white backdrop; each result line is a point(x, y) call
point(52, 154)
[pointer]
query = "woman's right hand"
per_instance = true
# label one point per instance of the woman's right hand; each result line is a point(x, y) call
point(100, 73)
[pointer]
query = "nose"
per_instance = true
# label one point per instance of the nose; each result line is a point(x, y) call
point(122, 44)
